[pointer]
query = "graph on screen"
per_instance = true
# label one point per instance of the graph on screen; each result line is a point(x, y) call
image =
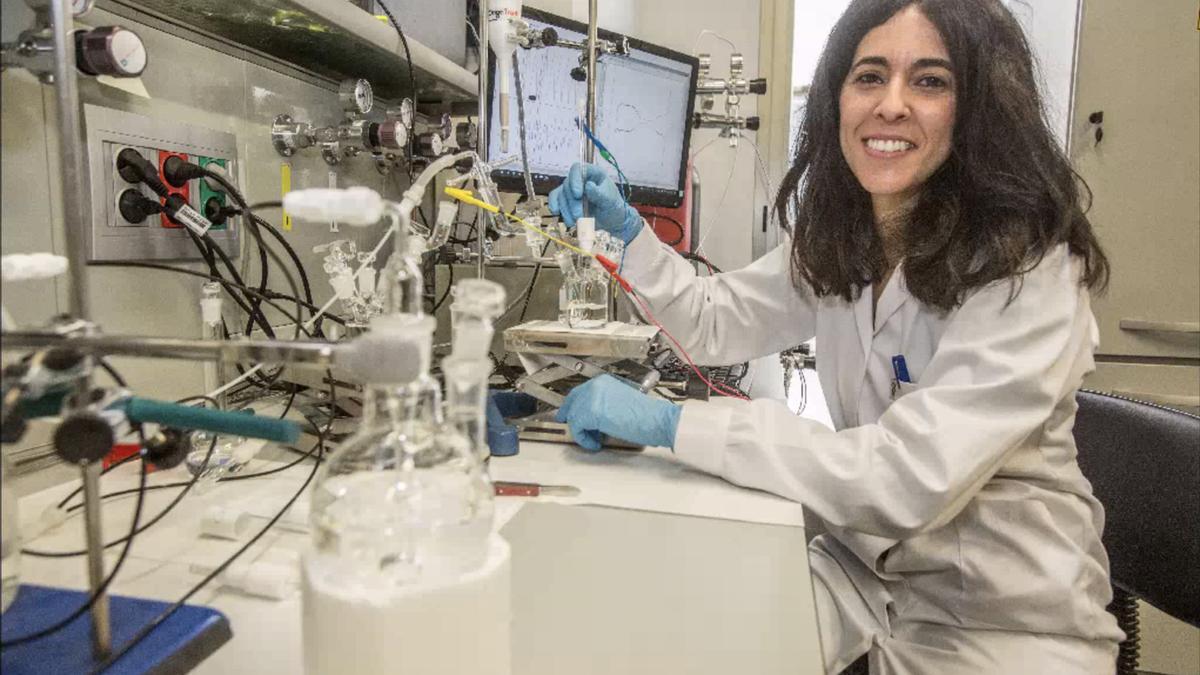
point(642, 115)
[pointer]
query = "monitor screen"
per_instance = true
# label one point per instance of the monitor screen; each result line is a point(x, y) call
point(643, 114)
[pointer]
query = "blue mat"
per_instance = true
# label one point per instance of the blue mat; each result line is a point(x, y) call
point(179, 643)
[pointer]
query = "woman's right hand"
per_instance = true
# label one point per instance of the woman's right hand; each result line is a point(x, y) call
point(604, 199)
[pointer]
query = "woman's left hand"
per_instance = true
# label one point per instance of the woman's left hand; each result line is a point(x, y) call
point(606, 405)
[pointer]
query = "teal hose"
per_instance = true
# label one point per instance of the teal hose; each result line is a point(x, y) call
point(208, 419)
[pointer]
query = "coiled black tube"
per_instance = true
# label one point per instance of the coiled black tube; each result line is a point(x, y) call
point(1124, 607)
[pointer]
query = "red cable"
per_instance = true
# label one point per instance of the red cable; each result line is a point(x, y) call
point(611, 267)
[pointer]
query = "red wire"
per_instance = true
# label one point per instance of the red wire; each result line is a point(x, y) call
point(719, 388)
point(611, 267)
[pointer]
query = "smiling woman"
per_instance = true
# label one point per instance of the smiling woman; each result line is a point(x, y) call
point(928, 113)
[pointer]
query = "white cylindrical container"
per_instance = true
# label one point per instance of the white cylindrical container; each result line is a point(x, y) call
point(451, 627)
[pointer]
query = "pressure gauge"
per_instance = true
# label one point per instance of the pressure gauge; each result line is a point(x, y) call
point(110, 50)
point(407, 114)
point(356, 96)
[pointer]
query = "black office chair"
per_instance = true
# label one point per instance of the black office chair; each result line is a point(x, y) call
point(1143, 461)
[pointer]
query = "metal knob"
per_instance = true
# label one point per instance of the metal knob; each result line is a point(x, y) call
point(110, 50)
point(391, 135)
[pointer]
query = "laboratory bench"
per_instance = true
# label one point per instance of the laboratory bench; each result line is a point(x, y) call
point(651, 568)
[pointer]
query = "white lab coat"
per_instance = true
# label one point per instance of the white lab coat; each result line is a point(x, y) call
point(963, 537)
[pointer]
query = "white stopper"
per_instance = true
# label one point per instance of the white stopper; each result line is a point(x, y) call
point(210, 310)
point(25, 266)
point(585, 230)
point(359, 206)
point(263, 579)
point(224, 522)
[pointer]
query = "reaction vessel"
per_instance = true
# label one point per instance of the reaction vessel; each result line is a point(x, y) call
point(405, 574)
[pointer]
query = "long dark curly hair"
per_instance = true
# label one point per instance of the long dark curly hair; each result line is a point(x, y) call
point(1005, 196)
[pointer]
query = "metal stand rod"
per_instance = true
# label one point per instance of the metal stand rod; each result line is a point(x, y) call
point(481, 143)
point(101, 629)
point(311, 354)
point(592, 43)
point(76, 207)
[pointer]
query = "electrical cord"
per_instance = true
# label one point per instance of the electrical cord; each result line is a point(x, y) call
point(532, 281)
point(157, 621)
point(103, 588)
point(66, 500)
point(521, 128)
point(696, 257)
point(168, 268)
point(137, 530)
point(446, 293)
point(252, 226)
point(112, 372)
point(678, 225)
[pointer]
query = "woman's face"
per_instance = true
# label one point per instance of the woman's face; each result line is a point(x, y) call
point(897, 109)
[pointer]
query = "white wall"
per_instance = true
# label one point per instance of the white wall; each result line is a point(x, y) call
point(1049, 24)
point(676, 24)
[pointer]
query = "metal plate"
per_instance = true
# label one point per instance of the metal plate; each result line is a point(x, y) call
point(616, 340)
point(329, 38)
point(110, 130)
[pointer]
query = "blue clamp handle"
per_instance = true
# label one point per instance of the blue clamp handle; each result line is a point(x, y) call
point(208, 419)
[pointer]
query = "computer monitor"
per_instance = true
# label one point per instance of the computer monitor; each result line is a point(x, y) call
point(644, 104)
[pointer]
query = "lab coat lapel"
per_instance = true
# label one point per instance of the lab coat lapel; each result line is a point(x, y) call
point(891, 299)
point(862, 319)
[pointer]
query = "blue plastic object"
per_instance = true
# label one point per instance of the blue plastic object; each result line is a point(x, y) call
point(208, 419)
point(502, 437)
point(178, 645)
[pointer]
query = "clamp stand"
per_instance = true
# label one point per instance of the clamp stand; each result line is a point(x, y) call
point(556, 354)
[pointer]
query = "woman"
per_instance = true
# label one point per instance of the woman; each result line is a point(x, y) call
point(941, 257)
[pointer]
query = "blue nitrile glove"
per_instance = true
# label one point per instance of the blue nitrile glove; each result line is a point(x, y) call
point(606, 405)
point(605, 203)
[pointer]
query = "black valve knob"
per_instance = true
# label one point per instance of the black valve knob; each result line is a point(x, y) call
point(83, 437)
point(579, 74)
point(752, 123)
point(758, 86)
point(549, 37)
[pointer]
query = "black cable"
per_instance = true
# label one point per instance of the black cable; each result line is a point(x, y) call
point(112, 372)
point(533, 280)
point(252, 226)
point(100, 591)
point(700, 259)
point(676, 223)
point(266, 205)
point(137, 530)
point(164, 486)
point(521, 129)
point(108, 468)
point(291, 252)
point(449, 284)
point(167, 268)
point(157, 621)
point(130, 458)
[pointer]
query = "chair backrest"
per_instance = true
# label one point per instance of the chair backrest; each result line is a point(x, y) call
point(1143, 462)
